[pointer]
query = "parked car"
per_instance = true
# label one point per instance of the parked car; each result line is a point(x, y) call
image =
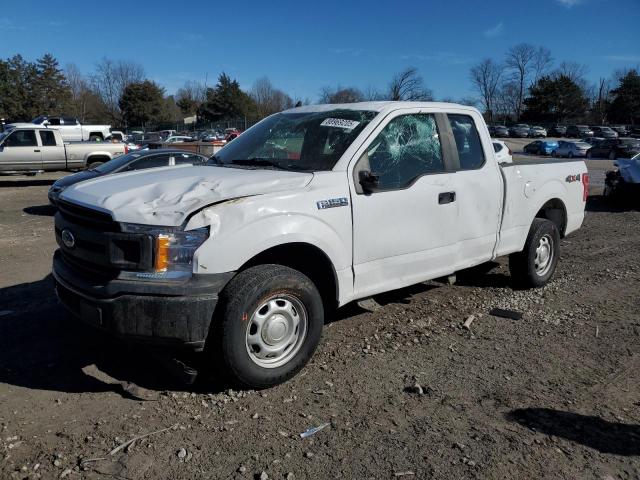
point(498, 131)
point(178, 139)
point(164, 134)
point(615, 148)
point(520, 130)
point(541, 147)
point(623, 184)
point(621, 130)
point(537, 132)
point(571, 149)
point(593, 140)
point(283, 232)
point(231, 133)
point(127, 163)
point(558, 131)
point(579, 131)
point(503, 152)
point(70, 128)
point(34, 149)
point(604, 132)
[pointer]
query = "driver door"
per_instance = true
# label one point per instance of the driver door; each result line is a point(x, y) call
point(20, 151)
point(404, 231)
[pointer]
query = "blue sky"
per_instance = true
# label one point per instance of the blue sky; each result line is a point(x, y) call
point(304, 45)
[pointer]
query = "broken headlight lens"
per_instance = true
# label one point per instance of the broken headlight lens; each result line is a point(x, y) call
point(173, 250)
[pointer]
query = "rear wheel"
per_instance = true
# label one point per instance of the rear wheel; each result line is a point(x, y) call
point(534, 266)
point(269, 324)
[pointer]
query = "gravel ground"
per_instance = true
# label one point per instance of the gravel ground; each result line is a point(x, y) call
point(407, 391)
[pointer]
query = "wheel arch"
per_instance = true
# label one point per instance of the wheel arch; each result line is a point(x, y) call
point(308, 259)
point(555, 211)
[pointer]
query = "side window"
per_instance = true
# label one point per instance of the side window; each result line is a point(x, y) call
point(407, 148)
point(468, 143)
point(22, 138)
point(188, 159)
point(47, 138)
point(53, 121)
point(149, 162)
point(69, 121)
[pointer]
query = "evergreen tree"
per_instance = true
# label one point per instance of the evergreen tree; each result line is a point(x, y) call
point(555, 99)
point(226, 100)
point(625, 107)
point(50, 87)
point(142, 102)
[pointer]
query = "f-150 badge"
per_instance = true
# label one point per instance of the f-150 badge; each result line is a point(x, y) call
point(332, 202)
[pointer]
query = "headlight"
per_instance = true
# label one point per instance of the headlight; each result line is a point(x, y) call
point(173, 251)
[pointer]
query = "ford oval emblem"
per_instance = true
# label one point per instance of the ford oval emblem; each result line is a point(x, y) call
point(68, 239)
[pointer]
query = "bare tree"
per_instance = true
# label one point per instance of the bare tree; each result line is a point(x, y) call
point(600, 101)
point(340, 95)
point(485, 78)
point(408, 85)
point(85, 104)
point(268, 98)
point(109, 81)
point(190, 96)
point(520, 60)
point(542, 62)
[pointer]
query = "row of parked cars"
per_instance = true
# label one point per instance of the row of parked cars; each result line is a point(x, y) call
point(523, 130)
point(612, 148)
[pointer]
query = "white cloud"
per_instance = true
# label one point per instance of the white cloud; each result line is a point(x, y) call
point(623, 58)
point(495, 31)
point(440, 57)
point(570, 3)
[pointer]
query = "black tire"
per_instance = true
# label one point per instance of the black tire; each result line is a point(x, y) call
point(570, 155)
point(524, 267)
point(589, 154)
point(243, 297)
point(94, 165)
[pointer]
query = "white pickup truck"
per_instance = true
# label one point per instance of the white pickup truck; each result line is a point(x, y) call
point(34, 149)
point(70, 128)
point(308, 210)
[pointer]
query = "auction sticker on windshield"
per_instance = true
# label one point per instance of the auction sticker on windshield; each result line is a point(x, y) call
point(340, 123)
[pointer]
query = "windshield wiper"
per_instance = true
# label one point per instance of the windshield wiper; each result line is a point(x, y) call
point(258, 162)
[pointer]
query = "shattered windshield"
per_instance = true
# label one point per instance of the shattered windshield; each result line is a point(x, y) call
point(310, 141)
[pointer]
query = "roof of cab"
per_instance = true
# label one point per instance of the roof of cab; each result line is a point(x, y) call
point(376, 106)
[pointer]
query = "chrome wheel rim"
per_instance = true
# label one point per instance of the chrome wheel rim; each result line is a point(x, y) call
point(276, 331)
point(544, 255)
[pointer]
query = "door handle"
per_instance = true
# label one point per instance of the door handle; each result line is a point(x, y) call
point(37, 151)
point(446, 197)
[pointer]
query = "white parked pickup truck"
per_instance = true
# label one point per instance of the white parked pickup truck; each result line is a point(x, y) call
point(308, 210)
point(33, 149)
point(70, 128)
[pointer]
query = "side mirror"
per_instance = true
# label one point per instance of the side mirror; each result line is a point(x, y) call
point(368, 180)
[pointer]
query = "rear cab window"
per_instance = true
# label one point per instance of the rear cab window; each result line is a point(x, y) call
point(467, 141)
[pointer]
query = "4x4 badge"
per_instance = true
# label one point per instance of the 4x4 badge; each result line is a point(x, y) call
point(332, 202)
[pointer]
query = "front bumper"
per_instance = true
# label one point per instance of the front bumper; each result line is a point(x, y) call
point(159, 312)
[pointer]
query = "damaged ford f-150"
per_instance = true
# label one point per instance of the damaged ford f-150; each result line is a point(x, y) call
point(308, 210)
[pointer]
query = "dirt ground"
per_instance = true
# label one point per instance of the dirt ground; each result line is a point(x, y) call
point(407, 391)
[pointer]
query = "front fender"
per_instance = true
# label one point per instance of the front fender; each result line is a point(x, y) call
point(241, 230)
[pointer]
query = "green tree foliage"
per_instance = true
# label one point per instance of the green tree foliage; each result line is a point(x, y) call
point(625, 107)
point(226, 101)
point(50, 87)
point(555, 99)
point(142, 102)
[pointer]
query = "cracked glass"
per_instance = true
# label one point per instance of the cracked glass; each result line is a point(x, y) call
point(407, 148)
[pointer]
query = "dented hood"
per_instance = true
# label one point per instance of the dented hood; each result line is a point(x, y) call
point(167, 196)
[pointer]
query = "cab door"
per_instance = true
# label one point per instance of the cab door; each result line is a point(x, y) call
point(72, 129)
point(53, 155)
point(479, 189)
point(21, 151)
point(404, 224)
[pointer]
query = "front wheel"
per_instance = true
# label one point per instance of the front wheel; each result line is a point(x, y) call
point(269, 324)
point(534, 266)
